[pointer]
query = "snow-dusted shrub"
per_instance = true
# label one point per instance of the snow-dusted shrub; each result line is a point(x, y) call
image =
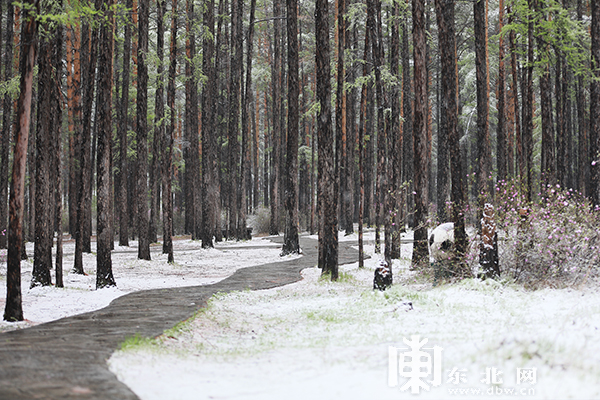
point(551, 242)
point(259, 220)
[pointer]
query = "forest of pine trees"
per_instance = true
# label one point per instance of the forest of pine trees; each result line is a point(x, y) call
point(131, 119)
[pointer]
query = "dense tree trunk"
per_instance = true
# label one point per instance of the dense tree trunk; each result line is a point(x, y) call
point(42, 261)
point(407, 127)
point(396, 138)
point(583, 165)
point(122, 130)
point(233, 119)
point(421, 183)
point(104, 275)
point(159, 121)
point(209, 137)
point(340, 110)
point(277, 129)
point(13, 310)
point(6, 125)
point(560, 144)
point(449, 109)
point(142, 133)
point(191, 127)
point(291, 243)
point(249, 168)
point(484, 158)
point(361, 150)
point(528, 100)
point(328, 239)
point(548, 162)
point(595, 107)
point(241, 231)
point(88, 68)
point(501, 136)
point(515, 104)
point(87, 165)
point(167, 145)
point(57, 150)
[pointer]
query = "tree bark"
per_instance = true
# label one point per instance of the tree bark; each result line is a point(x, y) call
point(42, 257)
point(104, 275)
point(449, 109)
point(6, 126)
point(209, 137)
point(13, 310)
point(595, 107)
point(159, 123)
point(168, 142)
point(502, 163)
point(421, 183)
point(142, 133)
point(407, 126)
point(328, 239)
point(291, 242)
point(483, 136)
point(276, 132)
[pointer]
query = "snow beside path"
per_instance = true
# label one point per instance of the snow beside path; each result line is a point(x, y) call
point(193, 266)
point(316, 339)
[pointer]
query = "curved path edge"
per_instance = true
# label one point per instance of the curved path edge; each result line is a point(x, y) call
point(66, 358)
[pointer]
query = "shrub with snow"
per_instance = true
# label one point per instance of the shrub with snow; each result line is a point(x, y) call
point(553, 242)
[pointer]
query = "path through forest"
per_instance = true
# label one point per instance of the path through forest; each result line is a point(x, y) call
point(66, 358)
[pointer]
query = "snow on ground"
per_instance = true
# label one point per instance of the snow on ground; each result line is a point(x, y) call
point(316, 339)
point(193, 266)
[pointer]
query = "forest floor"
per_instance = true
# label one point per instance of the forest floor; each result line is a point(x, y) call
point(323, 340)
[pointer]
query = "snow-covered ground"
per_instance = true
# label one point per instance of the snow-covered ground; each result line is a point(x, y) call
point(320, 340)
point(193, 266)
point(316, 339)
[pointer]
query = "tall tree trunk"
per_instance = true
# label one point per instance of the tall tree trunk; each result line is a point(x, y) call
point(396, 137)
point(142, 133)
point(484, 158)
point(209, 138)
point(528, 100)
point(159, 124)
point(291, 243)
point(328, 239)
point(548, 167)
point(515, 103)
point(42, 261)
point(595, 107)
point(501, 136)
point(560, 145)
point(340, 109)
point(167, 145)
point(583, 165)
point(449, 109)
point(233, 120)
point(246, 124)
point(13, 310)
point(57, 149)
point(88, 61)
point(87, 165)
point(407, 126)
point(277, 130)
point(6, 125)
point(122, 132)
point(241, 231)
point(361, 150)
point(420, 249)
point(191, 128)
point(104, 275)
